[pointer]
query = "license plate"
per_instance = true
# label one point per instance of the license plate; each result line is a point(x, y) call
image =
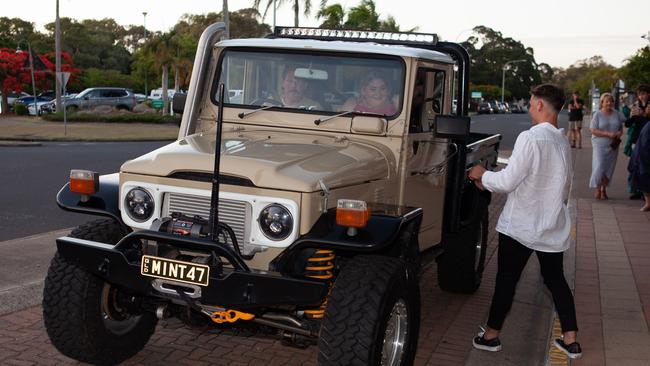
point(186, 272)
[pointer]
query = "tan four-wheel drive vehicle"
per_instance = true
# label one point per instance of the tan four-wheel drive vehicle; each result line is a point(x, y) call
point(315, 173)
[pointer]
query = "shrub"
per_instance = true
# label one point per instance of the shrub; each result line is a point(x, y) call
point(21, 109)
point(114, 117)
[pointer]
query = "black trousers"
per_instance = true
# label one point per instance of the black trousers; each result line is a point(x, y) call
point(511, 262)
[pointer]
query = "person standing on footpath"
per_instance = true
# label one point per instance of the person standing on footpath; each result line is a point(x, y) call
point(606, 130)
point(535, 218)
point(639, 166)
point(575, 119)
point(637, 119)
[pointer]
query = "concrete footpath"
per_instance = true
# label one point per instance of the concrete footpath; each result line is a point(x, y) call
point(608, 266)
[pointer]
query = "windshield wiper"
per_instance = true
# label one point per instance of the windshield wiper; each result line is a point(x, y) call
point(242, 115)
point(321, 120)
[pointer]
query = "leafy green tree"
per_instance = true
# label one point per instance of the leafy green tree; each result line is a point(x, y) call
point(488, 92)
point(95, 43)
point(490, 51)
point(636, 71)
point(579, 76)
point(13, 31)
point(92, 77)
point(296, 8)
point(163, 46)
point(362, 17)
point(332, 15)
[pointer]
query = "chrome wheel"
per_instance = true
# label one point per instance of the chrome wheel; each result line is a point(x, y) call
point(395, 336)
point(116, 319)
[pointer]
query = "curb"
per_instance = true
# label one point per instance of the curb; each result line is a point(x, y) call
point(19, 143)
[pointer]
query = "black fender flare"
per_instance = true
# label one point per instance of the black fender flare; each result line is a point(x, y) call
point(105, 202)
point(386, 227)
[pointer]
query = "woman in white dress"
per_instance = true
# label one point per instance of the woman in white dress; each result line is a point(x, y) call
point(606, 128)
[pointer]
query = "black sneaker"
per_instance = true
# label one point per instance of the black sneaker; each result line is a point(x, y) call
point(491, 345)
point(636, 196)
point(572, 350)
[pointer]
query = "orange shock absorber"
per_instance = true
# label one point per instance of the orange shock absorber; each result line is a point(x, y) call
point(320, 266)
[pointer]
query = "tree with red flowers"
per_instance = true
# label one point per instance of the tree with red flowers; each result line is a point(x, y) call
point(15, 72)
point(12, 76)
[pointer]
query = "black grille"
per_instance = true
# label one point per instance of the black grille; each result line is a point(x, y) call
point(207, 177)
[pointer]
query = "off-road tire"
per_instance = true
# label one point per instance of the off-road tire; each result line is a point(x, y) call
point(461, 266)
point(365, 293)
point(72, 309)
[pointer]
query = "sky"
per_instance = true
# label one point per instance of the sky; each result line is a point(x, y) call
point(560, 32)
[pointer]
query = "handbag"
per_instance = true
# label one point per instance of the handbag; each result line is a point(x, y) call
point(615, 142)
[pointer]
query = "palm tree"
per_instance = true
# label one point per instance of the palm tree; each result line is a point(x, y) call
point(332, 14)
point(363, 16)
point(162, 47)
point(296, 7)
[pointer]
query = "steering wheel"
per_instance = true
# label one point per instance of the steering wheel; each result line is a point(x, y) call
point(266, 102)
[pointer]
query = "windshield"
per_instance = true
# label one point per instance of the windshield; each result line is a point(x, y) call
point(319, 82)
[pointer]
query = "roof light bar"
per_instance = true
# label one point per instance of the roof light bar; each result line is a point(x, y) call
point(356, 35)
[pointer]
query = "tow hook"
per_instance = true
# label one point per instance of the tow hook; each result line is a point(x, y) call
point(219, 317)
point(230, 316)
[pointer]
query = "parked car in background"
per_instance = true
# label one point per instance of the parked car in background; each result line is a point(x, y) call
point(42, 107)
point(140, 97)
point(485, 108)
point(120, 98)
point(48, 94)
point(516, 108)
point(11, 98)
point(50, 107)
point(27, 100)
point(494, 106)
point(157, 93)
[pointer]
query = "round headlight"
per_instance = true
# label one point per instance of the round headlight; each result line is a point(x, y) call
point(139, 204)
point(276, 222)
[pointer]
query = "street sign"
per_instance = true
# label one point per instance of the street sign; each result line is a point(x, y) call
point(157, 103)
point(63, 78)
point(477, 95)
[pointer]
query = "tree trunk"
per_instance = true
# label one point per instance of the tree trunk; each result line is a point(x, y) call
point(296, 13)
point(177, 79)
point(165, 87)
point(4, 104)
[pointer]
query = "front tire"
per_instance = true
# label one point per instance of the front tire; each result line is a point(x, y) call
point(372, 316)
point(86, 317)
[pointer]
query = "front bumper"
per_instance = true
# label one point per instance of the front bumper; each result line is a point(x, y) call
point(236, 287)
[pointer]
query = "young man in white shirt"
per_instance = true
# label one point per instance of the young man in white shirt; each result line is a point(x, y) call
point(534, 218)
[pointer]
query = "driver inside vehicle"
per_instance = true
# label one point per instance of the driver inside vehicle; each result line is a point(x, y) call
point(294, 91)
point(374, 97)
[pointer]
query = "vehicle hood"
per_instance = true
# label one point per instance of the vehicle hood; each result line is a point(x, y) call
point(295, 162)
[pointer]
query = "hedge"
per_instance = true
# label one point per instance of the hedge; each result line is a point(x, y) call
point(122, 117)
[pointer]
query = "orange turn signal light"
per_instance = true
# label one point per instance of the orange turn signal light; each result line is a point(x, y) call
point(352, 213)
point(84, 181)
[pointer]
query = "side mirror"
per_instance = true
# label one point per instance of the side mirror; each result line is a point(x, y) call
point(454, 127)
point(178, 102)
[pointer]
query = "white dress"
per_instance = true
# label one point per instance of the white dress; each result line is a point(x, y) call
point(604, 157)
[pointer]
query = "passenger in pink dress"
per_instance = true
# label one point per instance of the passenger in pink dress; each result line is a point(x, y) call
point(374, 97)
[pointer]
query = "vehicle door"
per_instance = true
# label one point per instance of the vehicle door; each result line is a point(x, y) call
point(90, 99)
point(108, 97)
point(426, 159)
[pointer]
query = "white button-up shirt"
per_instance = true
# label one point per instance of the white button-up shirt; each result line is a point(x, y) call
point(536, 180)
